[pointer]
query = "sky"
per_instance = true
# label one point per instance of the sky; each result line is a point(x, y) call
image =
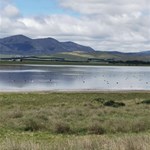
point(106, 25)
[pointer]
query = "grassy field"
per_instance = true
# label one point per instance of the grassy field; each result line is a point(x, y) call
point(55, 63)
point(75, 121)
point(26, 62)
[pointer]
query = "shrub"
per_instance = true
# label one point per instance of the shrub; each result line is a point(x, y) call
point(114, 104)
point(146, 101)
point(16, 114)
point(100, 100)
point(33, 124)
point(96, 128)
point(61, 127)
point(140, 125)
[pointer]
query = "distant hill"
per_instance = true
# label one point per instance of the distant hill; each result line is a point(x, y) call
point(145, 53)
point(22, 45)
point(103, 55)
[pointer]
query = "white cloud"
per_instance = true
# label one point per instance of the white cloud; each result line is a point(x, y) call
point(110, 7)
point(104, 25)
point(10, 11)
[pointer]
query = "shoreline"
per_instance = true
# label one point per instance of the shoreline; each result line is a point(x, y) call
point(69, 65)
point(77, 91)
point(6, 63)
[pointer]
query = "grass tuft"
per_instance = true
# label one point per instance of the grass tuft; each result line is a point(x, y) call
point(62, 128)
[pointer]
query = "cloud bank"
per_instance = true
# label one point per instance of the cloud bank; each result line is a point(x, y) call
point(102, 24)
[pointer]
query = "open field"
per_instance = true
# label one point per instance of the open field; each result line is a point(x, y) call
point(73, 63)
point(54, 63)
point(81, 58)
point(83, 121)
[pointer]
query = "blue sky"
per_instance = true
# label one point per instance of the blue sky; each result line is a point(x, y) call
point(42, 7)
point(35, 7)
point(108, 25)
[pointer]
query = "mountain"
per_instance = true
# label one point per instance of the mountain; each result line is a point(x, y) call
point(145, 53)
point(22, 45)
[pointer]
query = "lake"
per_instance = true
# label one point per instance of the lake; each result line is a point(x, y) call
point(68, 78)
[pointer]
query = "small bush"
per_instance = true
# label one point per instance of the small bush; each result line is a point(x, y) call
point(61, 127)
point(96, 128)
point(146, 101)
point(32, 124)
point(100, 100)
point(140, 125)
point(114, 104)
point(16, 114)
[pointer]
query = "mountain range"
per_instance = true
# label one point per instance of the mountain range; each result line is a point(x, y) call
point(22, 45)
point(25, 46)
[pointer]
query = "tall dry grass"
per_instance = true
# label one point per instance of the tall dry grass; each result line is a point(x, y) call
point(82, 143)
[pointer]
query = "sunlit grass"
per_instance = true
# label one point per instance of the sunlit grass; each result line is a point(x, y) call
point(71, 120)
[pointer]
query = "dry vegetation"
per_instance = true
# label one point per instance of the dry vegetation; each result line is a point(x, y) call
point(90, 121)
point(92, 142)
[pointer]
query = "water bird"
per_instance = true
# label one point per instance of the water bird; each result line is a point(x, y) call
point(13, 80)
point(83, 81)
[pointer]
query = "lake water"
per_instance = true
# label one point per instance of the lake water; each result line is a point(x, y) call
point(51, 77)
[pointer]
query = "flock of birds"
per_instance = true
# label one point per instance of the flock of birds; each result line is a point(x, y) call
point(82, 79)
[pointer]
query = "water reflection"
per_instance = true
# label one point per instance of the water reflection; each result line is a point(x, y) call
point(38, 78)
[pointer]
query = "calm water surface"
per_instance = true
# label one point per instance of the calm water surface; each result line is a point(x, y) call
point(40, 78)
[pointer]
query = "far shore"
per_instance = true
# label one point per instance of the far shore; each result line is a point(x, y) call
point(5, 63)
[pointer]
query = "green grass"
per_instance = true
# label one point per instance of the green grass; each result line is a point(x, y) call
point(56, 63)
point(26, 62)
point(74, 121)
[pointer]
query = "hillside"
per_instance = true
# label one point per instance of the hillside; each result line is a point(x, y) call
point(22, 45)
point(101, 55)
